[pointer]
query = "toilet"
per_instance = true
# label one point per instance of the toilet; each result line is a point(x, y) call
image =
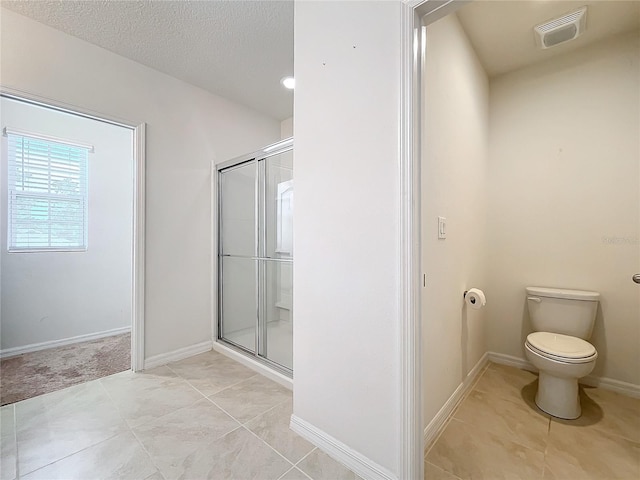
point(562, 321)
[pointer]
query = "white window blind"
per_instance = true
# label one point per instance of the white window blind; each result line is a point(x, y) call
point(47, 186)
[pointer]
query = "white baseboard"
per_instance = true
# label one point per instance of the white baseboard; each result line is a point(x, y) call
point(437, 422)
point(629, 389)
point(511, 361)
point(34, 347)
point(340, 452)
point(254, 365)
point(179, 354)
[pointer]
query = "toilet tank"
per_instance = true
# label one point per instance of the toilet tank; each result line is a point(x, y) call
point(558, 310)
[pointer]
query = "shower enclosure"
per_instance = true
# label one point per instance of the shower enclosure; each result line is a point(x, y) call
point(255, 255)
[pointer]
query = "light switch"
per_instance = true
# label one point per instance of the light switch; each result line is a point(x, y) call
point(442, 227)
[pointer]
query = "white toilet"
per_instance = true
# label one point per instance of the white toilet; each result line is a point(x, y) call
point(562, 321)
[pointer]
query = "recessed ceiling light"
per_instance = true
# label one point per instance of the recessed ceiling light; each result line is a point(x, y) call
point(288, 82)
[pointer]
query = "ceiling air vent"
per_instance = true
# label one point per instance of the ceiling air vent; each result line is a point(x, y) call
point(561, 29)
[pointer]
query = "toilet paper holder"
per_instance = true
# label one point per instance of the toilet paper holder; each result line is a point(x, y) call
point(464, 295)
point(474, 298)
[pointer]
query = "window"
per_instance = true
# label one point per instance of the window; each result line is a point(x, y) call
point(47, 187)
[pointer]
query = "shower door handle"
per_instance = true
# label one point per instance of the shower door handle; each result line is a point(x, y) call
point(636, 278)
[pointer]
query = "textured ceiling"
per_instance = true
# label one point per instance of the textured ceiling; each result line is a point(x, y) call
point(236, 49)
point(502, 31)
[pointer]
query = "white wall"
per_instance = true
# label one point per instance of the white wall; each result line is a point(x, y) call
point(454, 165)
point(286, 128)
point(564, 205)
point(56, 295)
point(186, 129)
point(346, 229)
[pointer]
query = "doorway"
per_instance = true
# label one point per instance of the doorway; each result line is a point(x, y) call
point(531, 155)
point(70, 246)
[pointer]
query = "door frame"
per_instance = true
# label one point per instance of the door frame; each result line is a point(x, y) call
point(412, 389)
point(138, 214)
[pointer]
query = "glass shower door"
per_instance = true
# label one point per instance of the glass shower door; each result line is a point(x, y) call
point(277, 326)
point(256, 256)
point(237, 261)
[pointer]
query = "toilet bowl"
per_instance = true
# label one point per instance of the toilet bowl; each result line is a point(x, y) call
point(563, 320)
point(561, 361)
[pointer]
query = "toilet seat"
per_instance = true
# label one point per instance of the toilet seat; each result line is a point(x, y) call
point(560, 347)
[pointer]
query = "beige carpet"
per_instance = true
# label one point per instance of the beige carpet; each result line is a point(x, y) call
point(36, 373)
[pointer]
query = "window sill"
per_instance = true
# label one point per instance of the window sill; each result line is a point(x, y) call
point(46, 250)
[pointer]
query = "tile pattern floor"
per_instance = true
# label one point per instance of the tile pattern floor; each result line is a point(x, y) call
point(203, 417)
point(498, 432)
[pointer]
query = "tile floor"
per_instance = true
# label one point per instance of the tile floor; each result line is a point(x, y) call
point(210, 417)
point(203, 417)
point(498, 432)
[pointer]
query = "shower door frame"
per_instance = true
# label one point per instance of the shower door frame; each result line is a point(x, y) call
point(256, 157)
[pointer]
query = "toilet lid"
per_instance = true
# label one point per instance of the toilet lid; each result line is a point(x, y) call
point(561, 346)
